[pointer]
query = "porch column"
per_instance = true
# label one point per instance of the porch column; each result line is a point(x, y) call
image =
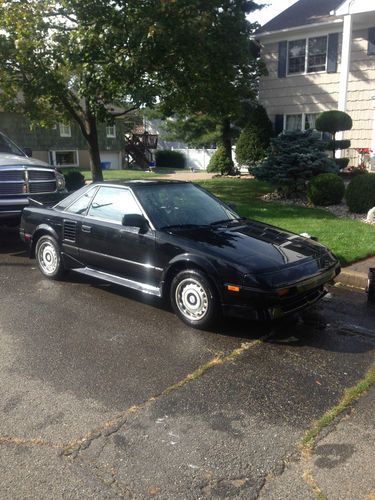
point(345, 62)
point(373, 138)
point(345, 66)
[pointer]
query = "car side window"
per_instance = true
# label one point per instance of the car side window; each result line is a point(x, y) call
point(112, 204)
point(81, 205)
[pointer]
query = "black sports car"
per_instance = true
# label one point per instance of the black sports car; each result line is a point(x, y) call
point(174, 239)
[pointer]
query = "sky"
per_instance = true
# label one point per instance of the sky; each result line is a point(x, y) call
point(272, 9)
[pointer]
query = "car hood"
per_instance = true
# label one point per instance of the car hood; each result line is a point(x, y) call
point(8, 160)
point(273, 255)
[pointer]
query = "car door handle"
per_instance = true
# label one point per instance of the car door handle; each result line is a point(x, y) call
point(86, 229)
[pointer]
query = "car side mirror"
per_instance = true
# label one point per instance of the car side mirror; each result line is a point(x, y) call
point(135, 221)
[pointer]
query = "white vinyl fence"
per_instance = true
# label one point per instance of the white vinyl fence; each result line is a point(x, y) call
point(198, 159)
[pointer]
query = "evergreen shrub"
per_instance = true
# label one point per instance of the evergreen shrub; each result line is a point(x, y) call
point(220, 162)
point(254, 140)
point(74, 180)
point(360, 194)
point(326, 189)
point(293, 159)
point(342, 163)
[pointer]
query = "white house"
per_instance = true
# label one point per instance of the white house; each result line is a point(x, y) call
point(320, 55)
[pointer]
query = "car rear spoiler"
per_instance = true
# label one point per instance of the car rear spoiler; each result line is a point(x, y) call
point(49, 199)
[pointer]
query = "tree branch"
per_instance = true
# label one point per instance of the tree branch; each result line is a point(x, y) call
point(75, 114)
point(122, 113)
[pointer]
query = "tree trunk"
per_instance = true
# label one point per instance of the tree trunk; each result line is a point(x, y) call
point(93, 142)
point(334, 146)
point(227, 143)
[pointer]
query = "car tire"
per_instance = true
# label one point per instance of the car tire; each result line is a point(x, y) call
point(194, 299)
point(48, 257)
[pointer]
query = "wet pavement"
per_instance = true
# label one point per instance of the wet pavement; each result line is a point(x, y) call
point(106, 394)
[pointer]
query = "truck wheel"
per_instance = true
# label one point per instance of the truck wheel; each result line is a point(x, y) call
point(48, 257)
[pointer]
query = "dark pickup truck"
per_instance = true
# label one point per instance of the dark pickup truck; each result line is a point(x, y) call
point(21, 177)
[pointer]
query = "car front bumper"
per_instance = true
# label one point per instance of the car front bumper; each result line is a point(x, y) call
point(268, 305)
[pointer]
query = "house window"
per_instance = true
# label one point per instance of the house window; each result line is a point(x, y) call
point(64, 158)
point(317, 54)
point(296, 56)
point(65, 130)
point(307, 55)
point(292, 122)
point(302, 121)
point(111, 131)
point(310, 120)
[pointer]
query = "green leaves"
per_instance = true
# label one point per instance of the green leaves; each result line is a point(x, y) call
point(77, 59)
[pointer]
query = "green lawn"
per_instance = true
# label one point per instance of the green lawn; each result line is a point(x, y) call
point(126, 175)
point(350, 240)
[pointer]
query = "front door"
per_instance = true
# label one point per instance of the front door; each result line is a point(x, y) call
point(106, 245)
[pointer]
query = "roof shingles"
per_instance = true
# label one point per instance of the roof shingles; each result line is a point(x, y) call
point(302, 13)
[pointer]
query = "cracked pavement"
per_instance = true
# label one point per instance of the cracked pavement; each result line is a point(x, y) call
point(106, 394)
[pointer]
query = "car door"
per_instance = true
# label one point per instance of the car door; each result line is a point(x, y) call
point(71, 220)
point(106, 245)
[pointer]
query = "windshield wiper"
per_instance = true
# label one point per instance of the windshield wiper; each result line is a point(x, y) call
point(227, 221)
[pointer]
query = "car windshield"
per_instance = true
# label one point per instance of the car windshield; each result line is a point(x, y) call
point(170, 205)
point(7, 146)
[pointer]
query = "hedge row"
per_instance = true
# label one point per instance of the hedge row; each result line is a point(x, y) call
point(329, 189)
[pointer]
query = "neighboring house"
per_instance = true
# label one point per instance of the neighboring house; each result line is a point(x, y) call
point(320, 55)
point(63, 144)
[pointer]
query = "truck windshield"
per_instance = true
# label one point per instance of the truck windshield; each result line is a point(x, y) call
point(7, 146)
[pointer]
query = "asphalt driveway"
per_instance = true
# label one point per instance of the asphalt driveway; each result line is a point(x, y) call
point(106, 394)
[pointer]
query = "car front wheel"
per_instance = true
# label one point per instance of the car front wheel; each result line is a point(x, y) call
point(48, 257)
point(194, 299)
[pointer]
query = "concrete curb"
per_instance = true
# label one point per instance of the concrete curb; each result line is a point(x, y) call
point(356, 275)
point(352, 279)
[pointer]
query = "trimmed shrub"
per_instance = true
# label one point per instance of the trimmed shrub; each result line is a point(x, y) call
point(294, 158)
point(169, 159)
point(326, 189)
point(344, 144)
point(333, 121)
point(360, 194)
point(358, 171)
point(342, 162)
point(254, 139)
point(74, 180)
point(220, 162)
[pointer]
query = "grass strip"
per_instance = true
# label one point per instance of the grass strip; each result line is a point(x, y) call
point(350, 396)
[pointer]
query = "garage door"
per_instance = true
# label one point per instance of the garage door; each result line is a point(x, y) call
point(112, 158)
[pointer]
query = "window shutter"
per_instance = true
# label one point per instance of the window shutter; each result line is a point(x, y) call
point(281, 70)
point(333, 45)
point(371, 41)
point(279, 124)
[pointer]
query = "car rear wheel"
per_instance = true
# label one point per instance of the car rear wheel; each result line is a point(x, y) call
point(48, 257)
point(194, 299)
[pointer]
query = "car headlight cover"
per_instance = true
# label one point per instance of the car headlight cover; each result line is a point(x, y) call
point(60, 181)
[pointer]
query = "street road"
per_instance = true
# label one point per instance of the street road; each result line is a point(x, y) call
point(104, 393)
